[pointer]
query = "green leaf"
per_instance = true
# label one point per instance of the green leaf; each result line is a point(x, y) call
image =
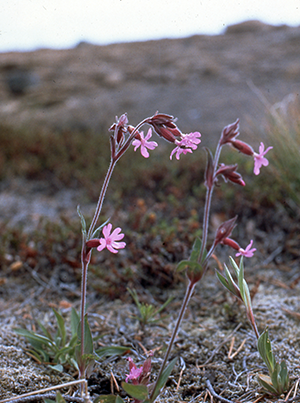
point(88, 350)
point(45, 331)
point(61, 328)
point(94, 235)
point(187, 264)
point(193, 262)
point(108, 399)
point(88, 340)
point(137, 391)
point(266, 383)
point(112, 350)
point(163, 379)
point(223, 281)
point(33, 337)
point(75, 319)
point(163, 306)
point(59, 398)
point(83, 223)
point(196, 250)
point(135, 297)
point(105, 399)
point(41, 355)
point(234, 266)
point(284, 376)
point(265, 351)
point(58, 367)
point(243, 286)
point(280, 378)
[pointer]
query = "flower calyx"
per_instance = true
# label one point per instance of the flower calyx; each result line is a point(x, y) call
point(229, 173)
point(230, 132)
point(165, 127)
point(224, 231)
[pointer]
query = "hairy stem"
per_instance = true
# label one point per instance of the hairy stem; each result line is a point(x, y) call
point(188, 294)
point(207, 205)
point(101, 197)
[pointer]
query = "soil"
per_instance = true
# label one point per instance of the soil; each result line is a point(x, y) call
point(41, 267)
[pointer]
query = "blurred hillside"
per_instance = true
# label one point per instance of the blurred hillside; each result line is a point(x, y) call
point(201, 79)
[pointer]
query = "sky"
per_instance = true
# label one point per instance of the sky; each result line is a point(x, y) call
point(32, 24)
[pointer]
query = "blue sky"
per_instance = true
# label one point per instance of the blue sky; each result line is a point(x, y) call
point(32, 24)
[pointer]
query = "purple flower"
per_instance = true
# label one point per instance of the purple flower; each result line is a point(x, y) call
point(110, 239)
point(187, 143)
point(248, 252)
point(142, 142)
point(259, 159)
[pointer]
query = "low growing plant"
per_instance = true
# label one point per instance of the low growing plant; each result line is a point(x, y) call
point(108, 237)
point(147, 312)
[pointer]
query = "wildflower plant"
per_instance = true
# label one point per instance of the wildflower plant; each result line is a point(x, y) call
point(105, 237)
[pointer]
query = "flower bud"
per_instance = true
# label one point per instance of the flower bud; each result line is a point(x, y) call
point(120, 128)
point(165, 127)
point(224, 230)
point(92, 243)
point(242, 147)
point(229, 173)
point(230, 132)
point(230, 242)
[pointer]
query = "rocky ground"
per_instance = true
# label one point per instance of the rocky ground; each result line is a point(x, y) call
point(206, 82)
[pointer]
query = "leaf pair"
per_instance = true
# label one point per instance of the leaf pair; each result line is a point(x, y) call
point(241, 289)
point(193, 265)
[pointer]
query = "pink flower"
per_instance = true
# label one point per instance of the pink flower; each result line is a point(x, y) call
point(190, 140)
point(259, 159)
point(110, 239)
point(139, 376)
point(248, 252)
point(178, 150)
point(187, 143)
point(134, 372)
point(144, 143)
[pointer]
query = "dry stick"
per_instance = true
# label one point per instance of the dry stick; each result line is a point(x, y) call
point(51, 396)
point(63, 385)
point(211, 389)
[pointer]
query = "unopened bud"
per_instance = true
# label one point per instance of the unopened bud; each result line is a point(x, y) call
point(92, 243)
point(230, 132)
point(224, 230)
point(230, 242)
point(165, 127)
point(229, 173)
point(242, 147)
point(120, 128)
